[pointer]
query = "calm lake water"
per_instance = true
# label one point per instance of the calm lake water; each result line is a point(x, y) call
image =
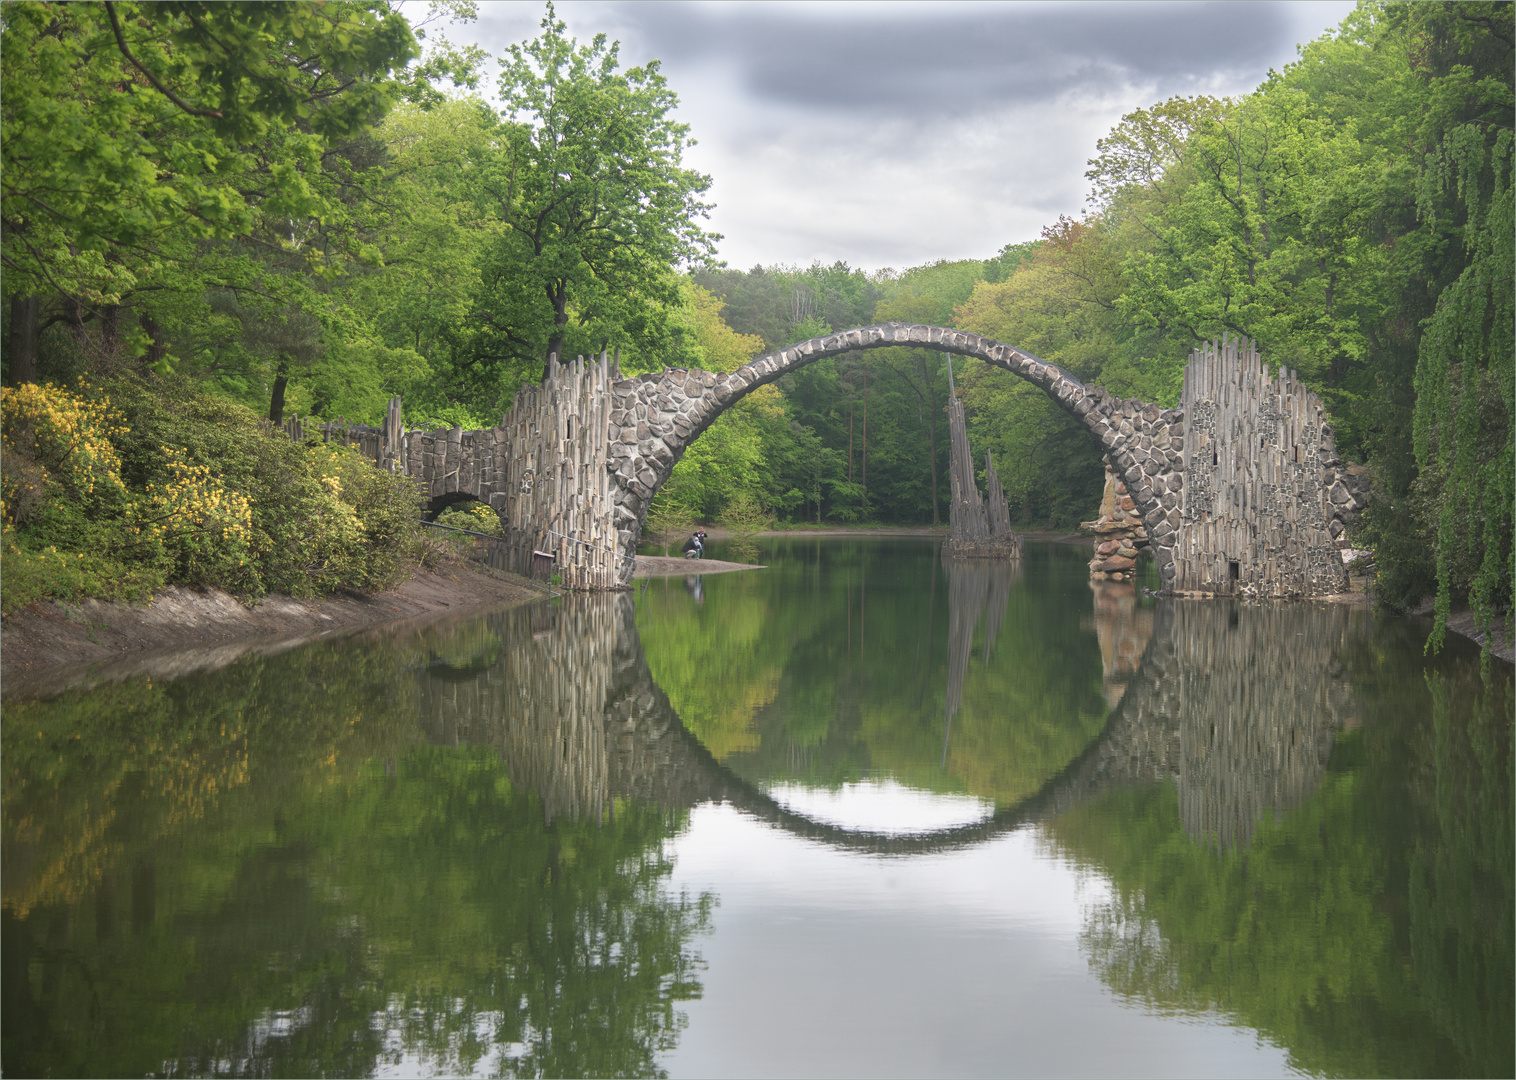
point(858, 814)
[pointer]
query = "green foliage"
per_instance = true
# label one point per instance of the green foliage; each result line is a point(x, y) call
point(1466, 369)
point(589, 205)
point(745, 517)
point(127, 122)
point(50, 574)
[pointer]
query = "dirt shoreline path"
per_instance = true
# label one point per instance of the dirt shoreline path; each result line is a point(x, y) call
point(670, 566)
point(52, 645)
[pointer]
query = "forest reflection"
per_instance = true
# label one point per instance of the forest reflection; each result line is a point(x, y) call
point(1330, 860)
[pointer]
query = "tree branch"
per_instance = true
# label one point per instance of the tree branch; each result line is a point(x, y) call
point(110, 9)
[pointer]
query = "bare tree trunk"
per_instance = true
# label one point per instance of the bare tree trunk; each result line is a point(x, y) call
point(110, 329)
point(849, 442)
point(276, 401)
point(865, 462)
point(22, 349)
point(931, 438)
point(74, 316)
point(559, 298)
point(157, 348)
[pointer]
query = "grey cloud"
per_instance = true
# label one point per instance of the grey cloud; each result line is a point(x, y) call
point(932, 62)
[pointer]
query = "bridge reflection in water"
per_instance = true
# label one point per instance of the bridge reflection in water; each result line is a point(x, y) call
point(1237, 704)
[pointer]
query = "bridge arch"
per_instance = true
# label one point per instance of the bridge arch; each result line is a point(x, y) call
point(655, 418)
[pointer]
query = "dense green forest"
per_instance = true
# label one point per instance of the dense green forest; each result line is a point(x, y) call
point(221, 213)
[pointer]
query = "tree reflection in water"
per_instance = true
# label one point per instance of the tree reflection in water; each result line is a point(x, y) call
point(1282, 874)
point(445, 849)
point(267, 870)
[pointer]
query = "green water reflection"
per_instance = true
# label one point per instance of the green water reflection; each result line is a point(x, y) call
point(848, 659)
point(1369, 927)
point(447, 849)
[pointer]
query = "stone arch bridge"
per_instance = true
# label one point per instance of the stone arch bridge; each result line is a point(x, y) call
point(1240, 488)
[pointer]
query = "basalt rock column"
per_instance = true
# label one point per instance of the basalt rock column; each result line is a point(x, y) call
point(1260, 469)
point(980, 529)
point(558, 491)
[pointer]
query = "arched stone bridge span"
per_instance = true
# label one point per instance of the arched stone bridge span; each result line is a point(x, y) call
point(656, 417)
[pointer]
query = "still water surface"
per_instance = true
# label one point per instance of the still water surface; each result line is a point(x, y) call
point(860, 813)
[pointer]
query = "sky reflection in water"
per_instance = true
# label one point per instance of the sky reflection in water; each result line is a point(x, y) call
point(960, 964)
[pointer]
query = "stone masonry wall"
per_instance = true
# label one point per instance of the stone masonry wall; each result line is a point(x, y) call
point(1119, 532)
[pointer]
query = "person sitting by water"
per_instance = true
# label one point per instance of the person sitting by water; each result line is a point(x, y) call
point(694, 547)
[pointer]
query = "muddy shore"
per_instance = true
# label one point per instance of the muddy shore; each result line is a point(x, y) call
point(54, 644)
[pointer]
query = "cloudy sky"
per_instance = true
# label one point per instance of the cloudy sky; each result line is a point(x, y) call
point(894, 134)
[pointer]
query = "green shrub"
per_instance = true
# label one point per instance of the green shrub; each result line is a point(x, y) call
point(199, 491)
point(745, 517)
point(49, 574)
point(476, 517)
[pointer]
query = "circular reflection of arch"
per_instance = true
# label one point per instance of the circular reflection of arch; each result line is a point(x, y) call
point(597, 725)
point(1241, 727)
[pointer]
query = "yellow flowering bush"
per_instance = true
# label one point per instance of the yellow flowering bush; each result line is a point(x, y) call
point(189, 523)
point(112, 497)
point(52, 434)
point(474, 516)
